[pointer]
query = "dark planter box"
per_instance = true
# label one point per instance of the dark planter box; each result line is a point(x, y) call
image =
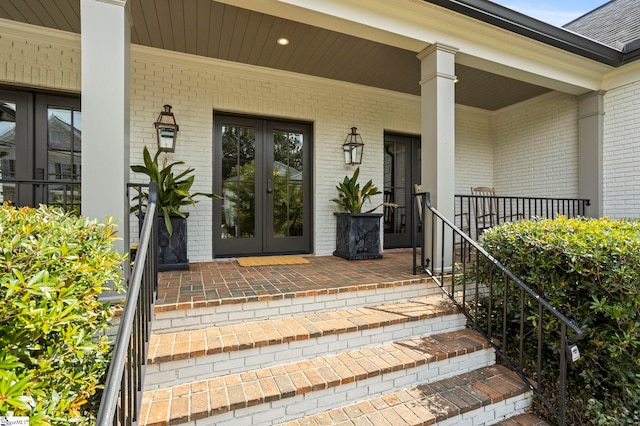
point(172, 250)
point(358, 236)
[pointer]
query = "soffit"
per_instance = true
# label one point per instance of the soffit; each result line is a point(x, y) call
point(212, 29)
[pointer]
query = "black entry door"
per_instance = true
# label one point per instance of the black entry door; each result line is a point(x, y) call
point(401, 172)
point(262, 170)
point(40, 139)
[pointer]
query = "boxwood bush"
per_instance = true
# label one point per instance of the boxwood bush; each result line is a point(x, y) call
point(53, 353)
point(590, 270)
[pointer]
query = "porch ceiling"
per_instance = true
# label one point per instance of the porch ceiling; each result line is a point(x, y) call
point(212, 29)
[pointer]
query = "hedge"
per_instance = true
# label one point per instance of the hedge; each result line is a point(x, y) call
point(53, 352)
point(590, 270)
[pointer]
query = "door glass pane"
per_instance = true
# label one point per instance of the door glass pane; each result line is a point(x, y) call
point(287, 184)
point(7, 149)
point(238, 182)
point(395, 186)
point(64, 130)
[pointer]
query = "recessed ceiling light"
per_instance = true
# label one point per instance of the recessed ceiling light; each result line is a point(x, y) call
point(283, 41)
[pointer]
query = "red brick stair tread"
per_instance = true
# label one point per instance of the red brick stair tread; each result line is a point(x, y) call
point(218, 395)
point(430, 403)
point(248, 335)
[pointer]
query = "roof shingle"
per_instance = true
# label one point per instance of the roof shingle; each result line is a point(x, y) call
point(615, 23)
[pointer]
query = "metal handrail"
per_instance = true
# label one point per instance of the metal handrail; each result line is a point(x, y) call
point(123, 387)
point(35, 192)
point(484, 211)
point(457, 274)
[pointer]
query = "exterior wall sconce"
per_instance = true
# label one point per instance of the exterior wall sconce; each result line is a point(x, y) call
point(167, 130)
point(353, 147)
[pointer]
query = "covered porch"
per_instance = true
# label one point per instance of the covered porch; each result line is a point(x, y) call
point(482, 116)
point(481, 101)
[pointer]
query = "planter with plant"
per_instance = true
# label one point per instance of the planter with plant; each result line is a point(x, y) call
point(357, 232)
point(174, 192)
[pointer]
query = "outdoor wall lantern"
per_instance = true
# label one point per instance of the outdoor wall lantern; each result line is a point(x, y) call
point(353, 147)
point(167, 130)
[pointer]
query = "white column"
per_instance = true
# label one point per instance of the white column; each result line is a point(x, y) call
point(590, 139)
point(105, 111)
point(437, 81)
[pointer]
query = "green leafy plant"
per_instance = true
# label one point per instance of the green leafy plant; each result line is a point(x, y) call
point(174, 191)
point(54, 353)
point(589, 269)
point(351, 198)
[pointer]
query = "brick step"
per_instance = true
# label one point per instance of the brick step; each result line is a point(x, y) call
point(480, 397)
point(289, 391)
point(236, 310)
point(177, 358)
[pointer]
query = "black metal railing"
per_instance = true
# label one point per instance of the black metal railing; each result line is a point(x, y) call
point(476, 213)
point(514, 318)
point(120, 404)
point(33, 192)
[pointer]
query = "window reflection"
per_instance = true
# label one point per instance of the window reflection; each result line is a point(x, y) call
point(287, 184)
point(64, 145)
point(238, 182)
point(7, 149)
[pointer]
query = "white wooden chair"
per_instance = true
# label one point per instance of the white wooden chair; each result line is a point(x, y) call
point(486, 213)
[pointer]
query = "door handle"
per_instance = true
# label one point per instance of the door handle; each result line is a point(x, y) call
point(269, 186)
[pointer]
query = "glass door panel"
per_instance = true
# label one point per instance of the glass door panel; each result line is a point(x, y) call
point(64, 141)
point(7, 149)
point(238, 182)
point(237, 173)
point(288, 206)
point(40, 139)
point(401, 172)
point(259, 169)
point(16, 147)
point(395, 165)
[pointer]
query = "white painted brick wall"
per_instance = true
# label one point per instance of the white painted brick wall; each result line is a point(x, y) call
point(47, 59)
point(536, 147)
point(621, 152)
point(197, 86)
point(474, 149)
point(332, 107)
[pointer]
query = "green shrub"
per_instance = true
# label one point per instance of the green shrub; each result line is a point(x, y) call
point(53, 353)
point(590, 270)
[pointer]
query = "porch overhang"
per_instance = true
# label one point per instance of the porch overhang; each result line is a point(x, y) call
point(372, 43)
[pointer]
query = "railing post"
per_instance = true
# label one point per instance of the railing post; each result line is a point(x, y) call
point(562, 421)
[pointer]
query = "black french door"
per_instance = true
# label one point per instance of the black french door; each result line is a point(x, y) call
point(40, 139)
point(262, 169)
point(401, 173)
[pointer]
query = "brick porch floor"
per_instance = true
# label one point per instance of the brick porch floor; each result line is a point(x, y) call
point(224, 281)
